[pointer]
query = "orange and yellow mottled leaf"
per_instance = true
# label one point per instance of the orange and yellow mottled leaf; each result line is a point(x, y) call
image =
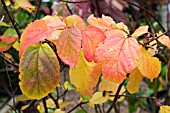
point(135, 78)
point(36, 32)
point(74, 20)
point(25, 4)
point(85, 75)
point(110, 88)
point(68, 46)
point(104, 23)
point(119, 55)
point(92, 36)
point(39, 71)
point(149, 66)
point(140, 31)
point(165, 40)
point(164, 109)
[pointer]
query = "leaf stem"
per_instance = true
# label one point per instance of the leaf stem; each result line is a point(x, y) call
point(11, 18)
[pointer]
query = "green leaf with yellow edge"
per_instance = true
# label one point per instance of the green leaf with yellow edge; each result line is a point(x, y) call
point(39, 71)
point(99, 98)
point(68, 86)
point(25, 4)
point(149, 66)
point(4, 24)
point(164, 109)
point(111, 87)
point(135, 78)
point(85, 75)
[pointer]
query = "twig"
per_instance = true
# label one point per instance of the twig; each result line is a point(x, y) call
point(45, 105)
point(81, 103)
point(147, 13)
point(36, 13)
point(69, 9)
point(31, 104)
point(11, 18)
point(63, 93)
point(116, 97)
point(2, 19)
point(10, 85)
point(73, 1)
point(55, 101)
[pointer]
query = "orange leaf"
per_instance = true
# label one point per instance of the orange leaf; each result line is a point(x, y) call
point(85, 75)
point(104, 23)
point(165, 40)
point(68, 46)
point(92, 36)
point(24, 4)
point(120, 55)
point(74, 20)
point(36, 32)
point(39, 71)
point(140, 31)
point(149, 66)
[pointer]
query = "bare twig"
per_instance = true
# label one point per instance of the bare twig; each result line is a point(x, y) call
point(81, 103)
point(11, 18)
point(116, 97)
point(69, 9)
point(45, 105)
point(149, 13)
point(55, 101)
point(36, 13)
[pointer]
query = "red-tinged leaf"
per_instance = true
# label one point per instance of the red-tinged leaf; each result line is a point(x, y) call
point(140, 31)
point(74, 20)
point(92, 36)
point(149, 66)
point(9, 36)
point(4, 46)
point(36, 32)
point(119, 54)
point(25, 4)
point(85, 75)
point(39, 71)
point(104, 23)
point(165, 40)
point(68, 46)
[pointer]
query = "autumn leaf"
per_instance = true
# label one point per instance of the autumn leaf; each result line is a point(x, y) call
point(104, 23)
point(68, 46)
point(74, 20)
point(140, 31)
point(39, 71)
point(110, 88)
point(98, 98)
point(135, 78)
point(36, 32)
point(92, 36)
point(25, 4)
point(8, 39)
point(85, 75)
point(164, 109)
point(149, 66)
point(119, 55)
point(165, 40)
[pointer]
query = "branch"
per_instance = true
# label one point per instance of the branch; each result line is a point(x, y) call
point(69, 9)
point(55, 101)
point(11, 18)
point(116, 97)
point(36, 13)
point(73, 1)
point(145, 10)
point(81, 103)
point(45, 105)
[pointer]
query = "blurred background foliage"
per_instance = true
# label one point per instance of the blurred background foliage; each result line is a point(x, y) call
point(134, 13)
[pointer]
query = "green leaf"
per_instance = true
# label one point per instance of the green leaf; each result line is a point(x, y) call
point(39, 71)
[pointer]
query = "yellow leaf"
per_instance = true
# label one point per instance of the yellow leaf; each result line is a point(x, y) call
point(149, 66)
point(16, 45)
point(152, 51)
point(24, 107)
point(22, 98)
point(58, 111)
point(85, 75)
point(107, 85)
point(98, 98)
point(64, 104)
point(165, 40)
point(135, 78)
point(140, 31)
point(164, 109)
